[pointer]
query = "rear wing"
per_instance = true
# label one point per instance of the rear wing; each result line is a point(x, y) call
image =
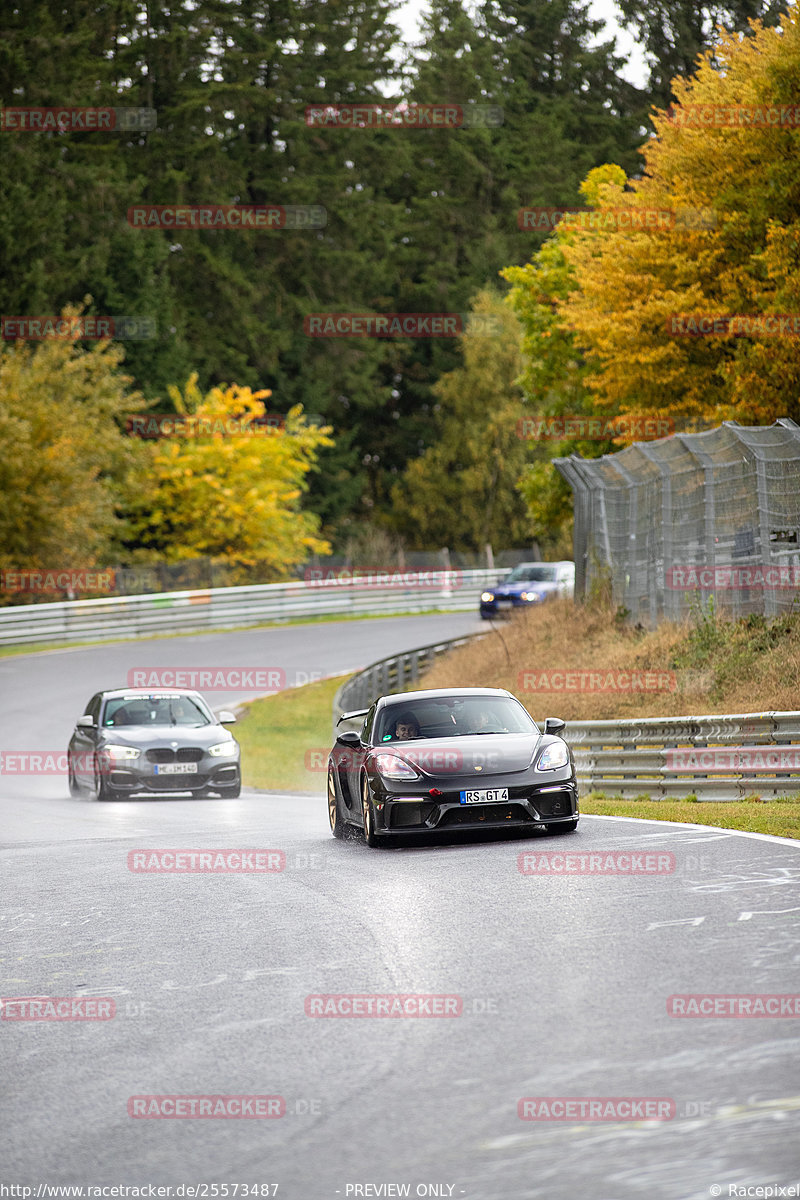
point(348, 716)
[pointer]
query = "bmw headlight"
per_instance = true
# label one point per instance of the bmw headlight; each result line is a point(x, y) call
point(487, 597)
point(121, 753)
point(392, 767)
point(553, 756)
point(223, 749)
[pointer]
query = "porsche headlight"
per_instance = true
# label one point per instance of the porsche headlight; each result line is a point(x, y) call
point(553, 756)
point(487, 597)
point(121, 753)
point(223, 749)
point(392, 767)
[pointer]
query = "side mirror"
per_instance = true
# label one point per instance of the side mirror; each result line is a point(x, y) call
point(554, 725)
point(349, 738)
point(85, 722)
point(226, 718)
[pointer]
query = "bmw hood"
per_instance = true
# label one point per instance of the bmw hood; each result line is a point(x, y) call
point(147, 737)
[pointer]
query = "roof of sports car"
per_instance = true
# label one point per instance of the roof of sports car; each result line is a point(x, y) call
point(450, 693)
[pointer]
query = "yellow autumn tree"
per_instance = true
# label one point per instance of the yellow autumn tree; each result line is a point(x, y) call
point(233, 495)
point(725, 162)
point(64, 455)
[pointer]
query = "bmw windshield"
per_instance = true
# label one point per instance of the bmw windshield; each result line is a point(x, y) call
point(155, 710)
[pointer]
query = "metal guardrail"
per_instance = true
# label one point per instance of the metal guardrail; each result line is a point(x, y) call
point(663, 758)
point(670, 757)
point(117, 617)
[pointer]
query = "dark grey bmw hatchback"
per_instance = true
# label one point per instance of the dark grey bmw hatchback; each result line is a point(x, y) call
point(131, 740)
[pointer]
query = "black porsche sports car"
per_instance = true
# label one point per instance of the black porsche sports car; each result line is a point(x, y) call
point(133, 740)
point(434, 760)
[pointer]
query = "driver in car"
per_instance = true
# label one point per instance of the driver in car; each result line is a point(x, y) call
point(406, 727)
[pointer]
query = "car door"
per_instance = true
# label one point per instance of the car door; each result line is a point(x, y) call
point(355, 762)
point(84, 742)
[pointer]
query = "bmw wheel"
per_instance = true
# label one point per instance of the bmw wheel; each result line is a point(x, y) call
point(102, 788)
point(230, 793)
point(75, 789)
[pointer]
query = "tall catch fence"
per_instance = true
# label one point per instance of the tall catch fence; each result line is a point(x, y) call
point(691, 517)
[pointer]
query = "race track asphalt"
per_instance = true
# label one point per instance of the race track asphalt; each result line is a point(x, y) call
point(557, 983)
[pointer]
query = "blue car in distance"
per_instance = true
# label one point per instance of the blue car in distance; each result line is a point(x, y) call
point(528, 583)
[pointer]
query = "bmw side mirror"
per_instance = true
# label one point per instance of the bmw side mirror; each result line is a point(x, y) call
point(85, 722)
point(226, 718)
point(349, 738)
point(554, 725)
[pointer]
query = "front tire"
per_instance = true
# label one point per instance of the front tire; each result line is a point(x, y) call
point(102, 789)
point(75, 789)
point(230, 793)
point(334, 816)
point(370, 836)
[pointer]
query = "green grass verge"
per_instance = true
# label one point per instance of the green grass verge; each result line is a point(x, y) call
point(285, 738)
point(778, 817)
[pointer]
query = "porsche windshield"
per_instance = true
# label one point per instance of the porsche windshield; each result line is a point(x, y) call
point(524, 574)
point(456, 717)
point(154, 710)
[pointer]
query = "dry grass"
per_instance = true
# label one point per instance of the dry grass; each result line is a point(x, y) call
point(714, 666)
